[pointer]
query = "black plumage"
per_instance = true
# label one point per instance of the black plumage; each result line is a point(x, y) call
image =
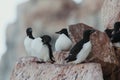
point(64, 30)
point(109, 32)
point(78, 46)
point(46, 41)
point(29, 33)
point(75, 50)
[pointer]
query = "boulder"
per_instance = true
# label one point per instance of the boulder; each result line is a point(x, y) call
point(110, 13)
point(76, 31)
point(60, 57)
point(26, 68)
point(103, 52)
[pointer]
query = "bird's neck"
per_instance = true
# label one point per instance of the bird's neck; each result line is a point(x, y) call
point(85, 39)
point(50, 52)
point(31, 36)
point(67, 35)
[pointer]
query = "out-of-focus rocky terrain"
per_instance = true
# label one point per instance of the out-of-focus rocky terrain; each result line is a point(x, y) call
point(45, 17)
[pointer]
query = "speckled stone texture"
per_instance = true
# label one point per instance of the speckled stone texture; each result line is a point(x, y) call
point(103, 52)
point(110, 13)
point(76, 31)
point(27, 69)
point(60, 57)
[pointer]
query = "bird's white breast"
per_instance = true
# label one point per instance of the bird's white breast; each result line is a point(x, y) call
point(83, 54)
point(39, 50)
point(63, 43)
point(27, 44)
point(36, 46)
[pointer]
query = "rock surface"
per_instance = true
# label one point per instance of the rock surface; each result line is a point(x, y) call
point(102, 47)
point(76, 31)
point(103, 52)
point(26, 69)
point(110, 13)
point(60, 57)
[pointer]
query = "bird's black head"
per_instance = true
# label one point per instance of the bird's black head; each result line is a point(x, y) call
point(116, 26)
point(87, 33)
point(63, 31)
point(46, 39)
point(29, 33)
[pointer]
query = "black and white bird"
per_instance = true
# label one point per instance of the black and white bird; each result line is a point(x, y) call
point(63, 43)
point(38, 47)
point(81, 49)
point(28, 40)
point(116, 28)
point(42, 48)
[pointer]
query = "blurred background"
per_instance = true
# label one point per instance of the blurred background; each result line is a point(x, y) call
point(45, 17)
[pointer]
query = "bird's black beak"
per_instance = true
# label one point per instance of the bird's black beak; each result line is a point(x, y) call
point(67, 60)
point(58, 32)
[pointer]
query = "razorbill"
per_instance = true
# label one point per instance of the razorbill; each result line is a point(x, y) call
point(80, 50)
point(63, 42)
point(42, 49)
point(27, 42)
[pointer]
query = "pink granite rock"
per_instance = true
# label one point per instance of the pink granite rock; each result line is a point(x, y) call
point(76, 31)
point(26, 69)
point(110, 13)
point(60, 57)
point(103, 52)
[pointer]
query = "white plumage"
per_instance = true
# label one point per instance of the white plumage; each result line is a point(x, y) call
point(27, 44)
point(40, 50)
point(38, 47)
point(83, 54)
point(63, 43)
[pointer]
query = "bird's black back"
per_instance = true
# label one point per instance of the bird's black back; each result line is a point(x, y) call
point(78, 46)
point(75, 50)
point(50, 52)
point(46, 39)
